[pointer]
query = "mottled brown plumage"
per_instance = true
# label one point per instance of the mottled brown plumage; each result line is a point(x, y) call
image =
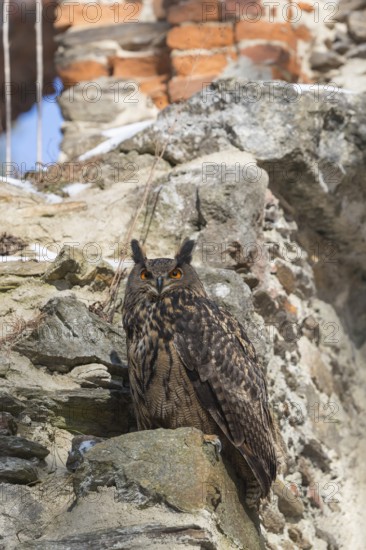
point(191, 364)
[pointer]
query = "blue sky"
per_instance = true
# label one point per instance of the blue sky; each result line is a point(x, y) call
point(24, 133)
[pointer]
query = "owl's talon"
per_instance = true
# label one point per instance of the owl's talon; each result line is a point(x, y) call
point(215, 441)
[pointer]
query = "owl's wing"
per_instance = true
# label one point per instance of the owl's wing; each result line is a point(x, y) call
point(223, 367)
point(137, 389)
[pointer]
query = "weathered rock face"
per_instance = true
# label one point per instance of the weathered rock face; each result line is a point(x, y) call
point(71, 268)
point(21, 447)
point(17, 470)
point(272, 189)
point(68, 334)
point(318, 171)
point(20, 458)
point(145, 470)
point(93, 411)
point(219, 195)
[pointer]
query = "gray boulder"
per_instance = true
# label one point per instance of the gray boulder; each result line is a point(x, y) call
point(69, 335)
point(17, 470)
point(21, 447)
point(98, 411)
point(169, 487)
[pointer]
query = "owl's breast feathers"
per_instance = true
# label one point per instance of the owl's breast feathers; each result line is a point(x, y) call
point(209, 350)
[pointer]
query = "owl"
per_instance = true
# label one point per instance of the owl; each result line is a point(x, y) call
point(192, 364)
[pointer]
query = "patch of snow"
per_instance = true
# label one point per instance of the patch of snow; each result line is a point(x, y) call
point(34, 251)
point(322, 182)
point(30, 188)
point(221, 290)
point(50, 197)
point(75, 188)
point(42, 253)
point(22, 184)
point(12, 258)
point(330, 88)
point(116, 136)
point(86, 445)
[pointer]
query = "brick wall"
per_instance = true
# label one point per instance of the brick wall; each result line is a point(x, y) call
point(198, 41)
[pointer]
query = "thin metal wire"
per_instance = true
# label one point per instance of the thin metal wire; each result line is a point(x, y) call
point(7, 75)
point(39, 83)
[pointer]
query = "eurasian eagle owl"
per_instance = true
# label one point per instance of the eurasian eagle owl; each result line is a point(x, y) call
point(192, 364)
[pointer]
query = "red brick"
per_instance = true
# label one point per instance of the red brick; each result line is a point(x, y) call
point(159, 9)
point(246, 10)
point(287, 14)
point(189, 65)
point(80, 71)
point(305, 78)
point(264, 30)
point(290, 307)
point(88, 15)
point(303, 33)
point(189, 37)
point(140, 66)
point(304, 6)
point(180, 87)
point(202, 11)
point(284, 65)
point(289, 71)
point(161, 101)
point(156, 88)
point(198, 11)
point(266, 53)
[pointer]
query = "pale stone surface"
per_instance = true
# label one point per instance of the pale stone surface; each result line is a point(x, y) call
point(79, 267)
point(146, 468)
point(17, 470)
point(23, 448)
point(299, 291)
point(68, 335)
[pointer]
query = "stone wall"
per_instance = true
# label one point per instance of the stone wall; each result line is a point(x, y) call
point(168, 50)
point(191, 43)
point(274, 194)
point(272, 188)
point(345, 48)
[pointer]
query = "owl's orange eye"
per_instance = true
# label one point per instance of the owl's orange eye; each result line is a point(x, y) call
point(144, 275)
point(176, 273)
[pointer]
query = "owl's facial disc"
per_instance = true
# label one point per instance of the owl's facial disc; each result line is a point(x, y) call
point(157, 285)
point(159, 275)
point(165, 281)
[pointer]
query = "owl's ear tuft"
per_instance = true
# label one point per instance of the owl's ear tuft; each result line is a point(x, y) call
point(138, 252)
point(184, 254)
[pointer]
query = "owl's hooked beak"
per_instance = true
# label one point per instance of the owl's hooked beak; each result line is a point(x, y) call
point(159, 283)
